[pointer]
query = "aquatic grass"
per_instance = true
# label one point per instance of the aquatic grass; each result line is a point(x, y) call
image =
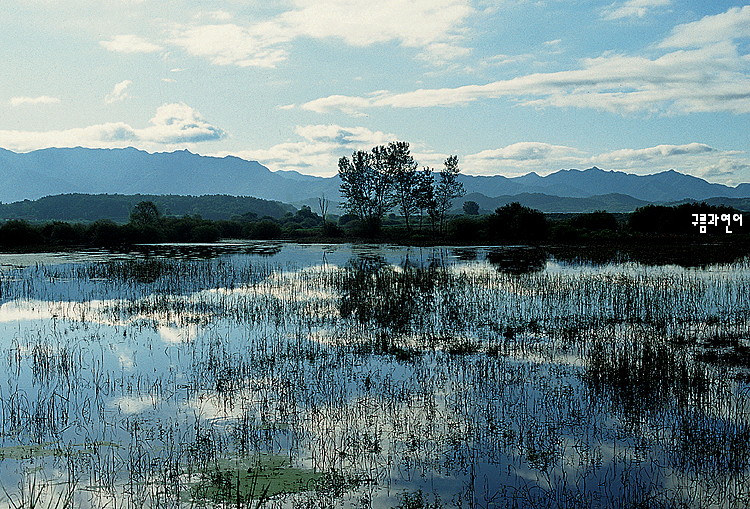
point(480, 385)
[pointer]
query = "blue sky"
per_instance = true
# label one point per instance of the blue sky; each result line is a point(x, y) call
point(510, 86)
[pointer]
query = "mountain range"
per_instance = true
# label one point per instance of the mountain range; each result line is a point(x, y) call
point(52, 171)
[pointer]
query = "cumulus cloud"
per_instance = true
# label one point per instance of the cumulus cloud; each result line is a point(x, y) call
point(218, 15)
point(522, 157)
point(633, 9)
point(173, 124)
point(43, 99)
point(434, 27)
point(727, 170)
point(129, 43)
point(319, 149)
point(178, 123)
point(699, 159)
point(231, 44)
point(119, 92)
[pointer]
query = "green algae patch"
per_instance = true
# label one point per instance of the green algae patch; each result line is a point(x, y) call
point(244, 480)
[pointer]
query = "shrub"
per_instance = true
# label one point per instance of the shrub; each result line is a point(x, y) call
point(516, 222)
point(265, 229)
point(463, 228)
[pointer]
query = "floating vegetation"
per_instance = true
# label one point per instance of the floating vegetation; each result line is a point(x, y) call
point(244, 480)
point(373, 376)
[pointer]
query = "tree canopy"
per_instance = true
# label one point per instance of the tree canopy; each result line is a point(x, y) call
point(374, 182)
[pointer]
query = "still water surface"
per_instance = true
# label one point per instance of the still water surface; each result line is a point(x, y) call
point(285, 375)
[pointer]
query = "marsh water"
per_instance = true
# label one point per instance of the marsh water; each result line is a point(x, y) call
point(286, 375)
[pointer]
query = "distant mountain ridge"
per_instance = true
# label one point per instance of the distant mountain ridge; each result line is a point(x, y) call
point(129, 171)
point(659, 187)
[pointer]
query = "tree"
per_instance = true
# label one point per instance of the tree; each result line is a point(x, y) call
point(425, 192)
point(516, 222)
point(471, 208)
point(145, 213)
point(402, 171)
point(595, 221)
point(446, 190)
point(365, 186)
point(323, 204)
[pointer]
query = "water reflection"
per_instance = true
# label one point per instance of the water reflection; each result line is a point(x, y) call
point(385, 296)
point(206, 251)
point(382, 376)
point(518, 260)
point(683, 255)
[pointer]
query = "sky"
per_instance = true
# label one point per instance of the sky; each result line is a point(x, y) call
point(510, 86)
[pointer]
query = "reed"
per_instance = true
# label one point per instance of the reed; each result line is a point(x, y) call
point(422, 381)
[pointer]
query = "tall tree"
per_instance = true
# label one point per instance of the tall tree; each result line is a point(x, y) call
point(447, 188)
point(365, 186)
point(425, 192)
point(145, 213)
point(402, 170)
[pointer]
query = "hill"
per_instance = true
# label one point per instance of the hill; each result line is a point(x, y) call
point(548, 203)
point(117, 207)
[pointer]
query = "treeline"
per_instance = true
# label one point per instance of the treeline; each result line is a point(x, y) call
point(146, 225)
point(512, 223)
point(517, 223)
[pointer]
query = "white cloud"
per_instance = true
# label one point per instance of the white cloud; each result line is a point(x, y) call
point(522, 157)
point(130, 405)
point(172, 125)
point(526, 151)
point(699, 159)
point(435, 27)
point(231, 44)
point(119, 92)
point(633, 9)
point(727, 170)
point(178, 123)
point(727, 26)
point(320, 146)
point(130, 44)
point(657, 152)
point(43, 99)
point(708, 79)
point(218, 15)
point(320, 149)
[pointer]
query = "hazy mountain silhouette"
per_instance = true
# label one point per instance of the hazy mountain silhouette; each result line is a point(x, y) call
point(130, 171)
point(54, 171)
point(660, 187)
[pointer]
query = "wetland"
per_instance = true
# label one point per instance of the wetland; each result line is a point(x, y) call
point(275, 374)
